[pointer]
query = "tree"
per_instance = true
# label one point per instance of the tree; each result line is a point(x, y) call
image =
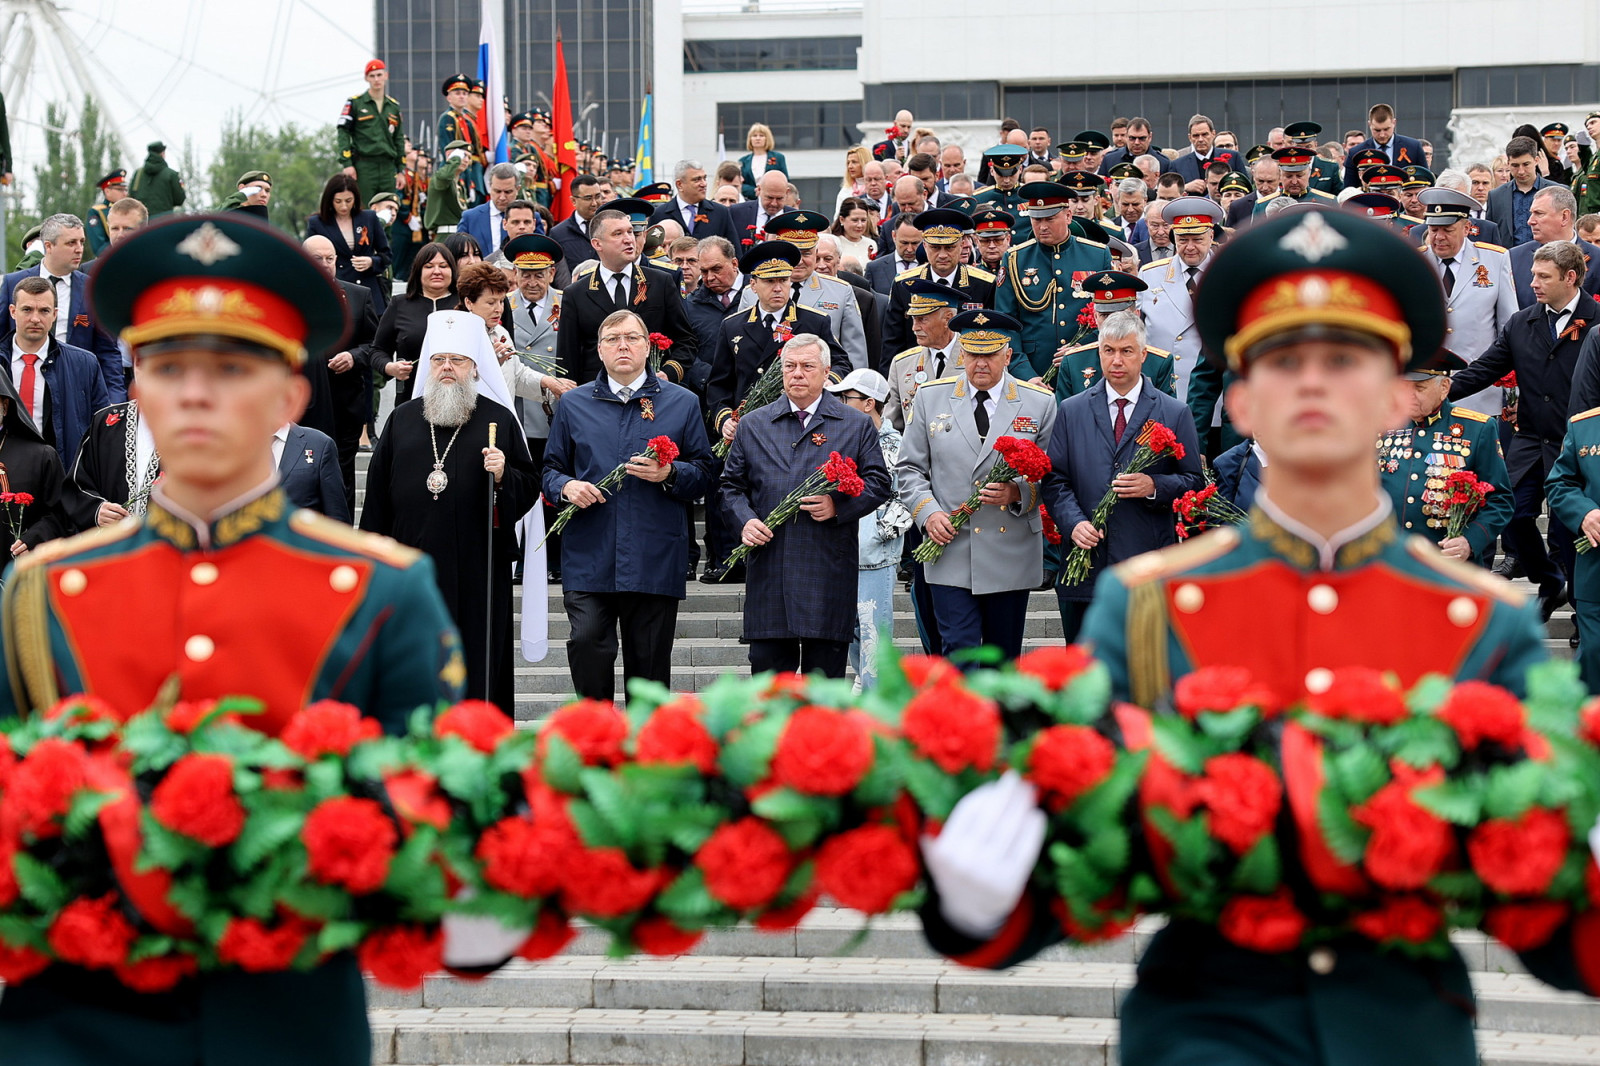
point(300, 161)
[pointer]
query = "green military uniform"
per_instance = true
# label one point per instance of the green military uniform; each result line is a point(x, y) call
point(1326, 176)
point(372, 138)
point(1310, 196)
point(1586, 181)
point(156, 185)
point(457, 125)
point(1415, 460)
point(96, 229)
point(1573, 487)
point(444, 192)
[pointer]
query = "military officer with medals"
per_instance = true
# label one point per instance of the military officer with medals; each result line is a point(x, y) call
point(1325, 174)
point(1295, 164)
point(937, 353)
point(993, 231)
point(1005, 164)
point(942, 232)
point(1079, 368)
point(1573, 489)
point(372, 136)
point(979, 585)
point(1167, 301)
point(834, 298)
point(238, 593)
point(1441, 438)
point(1039, 284)
point(1475, 276)
point(456, 124)
point(113, 187)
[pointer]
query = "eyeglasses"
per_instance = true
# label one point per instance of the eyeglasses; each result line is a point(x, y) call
point(630, 339)
point(453, 360)
point(586, 199)
point(854, 397)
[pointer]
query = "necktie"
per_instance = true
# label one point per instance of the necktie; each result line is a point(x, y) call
point(980, 411)
point(938, 365)
point(795, 288)
point(1555, 317)
point(55, 291)
point(624, 393)
point(1191, 271)
point(725, 298)
point(1121, 425)
point(771, 323)
point(688, 219)
point(801, 416)
point(621, 292)
point(25, 390)
point(1449, 274)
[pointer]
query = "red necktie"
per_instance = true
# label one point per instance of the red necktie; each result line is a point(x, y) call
point(27, 386)
point(1121, 425)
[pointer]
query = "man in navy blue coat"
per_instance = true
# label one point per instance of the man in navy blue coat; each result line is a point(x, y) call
point(63, 237)
point(308, 471)
point(1095, 437)
point(624, 554)
point(63, 388)
point(1401, 151)
point(800, 595)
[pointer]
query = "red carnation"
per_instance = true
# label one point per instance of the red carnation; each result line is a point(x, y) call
point(158, 974)
point(954, 727)
point(745, 864)
point(1520, 858)
point(838, 468)
point(1243, 794)
point(1030, 461)
point(1069, 760)
point(401, 956)
point(657, 935)
point(1057, 665)
point(8, 761)
point(550, 937)
point(23, 498)
point(674, 736)
point(42, 786)
point(1408, 844)
point(478, 722)
point(1525, 926)
point(924, 670)
point(1588, 726)
point(781, 918)
point(19, 964)
point(186, 715)
point(526, 856)
point(866, 868)
point(603, 883)
point(349, 842)
point(256, 947)
point(1479, 711)
point(666, 452)
point(92, 933)
point(196, 798)
point(660, 341)
point(1220, 689)
point(1361, 694)
point(328, 728)
point(594, 728)
point(1508, 381)
point(1268, 924)
point(822, 752)
point(1052, 532)
point(1404, 918)
point(1161, 440)
point(8, 876)
point(415, 796)
point(83, 708)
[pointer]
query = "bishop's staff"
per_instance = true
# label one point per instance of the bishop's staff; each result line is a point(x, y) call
point(488, 648)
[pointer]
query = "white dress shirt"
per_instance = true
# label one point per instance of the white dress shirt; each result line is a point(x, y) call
point(17, 367)
point(1132, 397)
point(63, 287)
point(280, 440)
point(633, 386)
point(1564, 316)
point(496, 229)
point(609, 281)
point(810, 409)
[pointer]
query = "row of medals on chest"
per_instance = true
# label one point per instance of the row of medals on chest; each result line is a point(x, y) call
point(1450, 452)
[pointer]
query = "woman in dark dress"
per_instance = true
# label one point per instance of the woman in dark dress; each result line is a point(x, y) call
point(431, 287)
point(360, 240)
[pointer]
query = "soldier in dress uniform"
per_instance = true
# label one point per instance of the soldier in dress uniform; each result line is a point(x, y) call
point(1295, 163)
point(1479, 296)
point(1586, 177)
point(1039, 284)
point(1325, 174)
point(113, 187)
point(1079, 368)
point(1320, 578)
point(1365, 160)
point(1167, 302)
point(372, 136)
point(1416, 180)
point(1074, 156)
point(834, 298)
point(979, 585)
point(993, 231)
point(942, 232)
point(1572, 489)
point(1440, 439)
point(529, 156)
point(237, 593)
point(1380, 207)
point(456, 124)
point(1005, 163)
point(937, 353)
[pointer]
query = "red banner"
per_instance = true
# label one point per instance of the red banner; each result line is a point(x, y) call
point(566, 144)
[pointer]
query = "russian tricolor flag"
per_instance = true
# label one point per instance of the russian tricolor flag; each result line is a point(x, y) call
point(492, 72)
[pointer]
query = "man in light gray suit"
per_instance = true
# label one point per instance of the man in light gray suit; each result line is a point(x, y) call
point(980, 584)
point(1479, 294)
point(832, 297)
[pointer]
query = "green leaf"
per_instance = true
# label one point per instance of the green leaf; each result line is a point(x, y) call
point(935, 791)
point(340, 936)
point(317, 902)
point(1428, 693)
point(20, 932)
point(265, 831)
point(86, 807)
point(1459, 885)
point(191, 896)
point(410, 866)
point(1513, 789)
point(595, 830)
point(508, 910)
point(1108, 851)
point(650, 694)
point(1422, 742)
point(154, 746)
point(1346, 839)
point(562, 764)
point(1359, 771)
point(38, 883)
point(1086, 698)
point(1229, 727)
point(162, 848)
point(150, 947)
point(463, 770)
point(1457, 801)
point(787, 805)
point(1176, 741)
point(605, 792)
point(1259, 869)
point(687, 901)
point(1193, 850)
point(885, 779)
point(324, 779)
point(746, 759)
point(725, 701)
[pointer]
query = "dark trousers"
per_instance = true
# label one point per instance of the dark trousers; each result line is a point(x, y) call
point(647, 624)
point(721, 537)
point(1072, 612)
point(968, 621)
point(347, 428)
point(921, 601)
point(1547, 570)
point(826, 657)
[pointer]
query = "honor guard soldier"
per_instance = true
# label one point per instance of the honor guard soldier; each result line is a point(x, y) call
point(1040, 280)
point(113, 187)
point(1086, 188)
point(1320, 578)
point(1479, 295)
point(530, 155)
point(456, 124)
point(832, 297)
point(1586, 180)
point(1552, 138)
point(655, 195)
point(1005, 164)
point(238, 594)
point(1383, 178)
point(942, 232)
point(1441, 438)
point(1295, 163)
point(449, 189)
point(1079, 368)
point(1232, 186)
point(1167, 301)
point(993, 230)
point(372, 136)
point(1256, 151)
point(1573, 489)
point(980, 584)
point(1325, 175)
point(937, 353)
point(1416, 179)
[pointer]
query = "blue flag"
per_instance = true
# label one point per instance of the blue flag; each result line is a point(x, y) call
point(644, 164)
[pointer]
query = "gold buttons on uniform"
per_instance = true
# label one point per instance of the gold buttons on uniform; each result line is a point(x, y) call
point(344, 578)
point(199, 648)
point(1322, 599)
point(203, 573)
point(1461, 611)
point(73, 582)
point(1322, 961)
point(1319, 680)
point(1189, 598)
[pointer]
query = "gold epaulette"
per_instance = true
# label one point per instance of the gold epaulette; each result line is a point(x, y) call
point(54, 550)
point(1579, 417)
point(1270, 196)
point(1158, 351)
point(1469, 574)
point(1155, 263)
point(1469, 414)
point(1324, 195)
point(1092, 244)
point(1035, 388)
point(904, 274)
point(1413, 219)
point(1164, 562)
point(1018, 247)
point(979, 273)
point(338, 535)
point(1082, 348)
point(585, 267)
point(942, 381)
point(1486, 244)
point(913, 350)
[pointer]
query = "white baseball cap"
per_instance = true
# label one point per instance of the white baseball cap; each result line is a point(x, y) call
point(865, 381)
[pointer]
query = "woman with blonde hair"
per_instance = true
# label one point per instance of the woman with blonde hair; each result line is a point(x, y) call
point(759, 157)
point(853, 183)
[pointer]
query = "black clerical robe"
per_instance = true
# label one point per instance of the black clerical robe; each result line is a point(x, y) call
point(454, 528)
point(104, 471)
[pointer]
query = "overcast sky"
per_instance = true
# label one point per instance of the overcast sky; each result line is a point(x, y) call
point(171, 68)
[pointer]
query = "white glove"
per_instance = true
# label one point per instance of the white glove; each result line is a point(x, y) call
point(471, 941)
point(1594, 840)
point(415, 225)
point(980, 863)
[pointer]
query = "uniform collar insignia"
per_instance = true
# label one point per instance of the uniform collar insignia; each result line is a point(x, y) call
point(1305, 550)
point(234, 523)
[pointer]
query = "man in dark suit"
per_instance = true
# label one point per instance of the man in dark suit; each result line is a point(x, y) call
point(1509, 204)
point(59, 387)
point(750, 218)
point(340, 381)
point(800, 601)
point(1399, 151)
point(1541, 343)
point(898, 143)
point(691, 208)
point(714, 299)
point(942, 230)
point(618, 283)
point(486, 223)
point(308, 470)
point(1135, 144)
point(908, 253)
point(64, 239)
point(572, 232)
point(910, 198)
point(1191, 164)
point(1550, 218)
point(1095, 435)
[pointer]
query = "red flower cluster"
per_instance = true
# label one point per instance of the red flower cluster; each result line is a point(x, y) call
point(822, 752)
point(1525, 926)
point(674, 736)
point(1509, 381)
point(594, 728)
point(1194, 502)
point(1522, 857)
point(658, 935)
point(1161, 440)
point(1086, 319)
point(1403, 918)
point(526, 856)
point(92, 933)
point(841, 471)
point(197, 799)
point(42, 786)
point(478, 722)
point(328, 727)
point(1269, 924)
point(401, 956)
point(349, 842)
point(1244, 795)
point(1361, 694)
point(1024, 456)
point(1220, 689)
point(745, 864)
point(1479, 712)
point(1057, 666)
point(1052, 532)
point(1463, 488)
point(603, 883)
point(660, 341)
point(256, 947)
point(666, 452)
point(21, 499)
point(866, 868)
point(157, 974)
point(1069, 760)
point(954, 727)
point(1408, 845)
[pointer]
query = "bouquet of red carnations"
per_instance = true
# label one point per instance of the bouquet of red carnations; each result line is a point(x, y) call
point(1014, 457)
point(1201, 509)
point(838, 474)
point(1085, 322)
point(1155, 441)
point(1464, 494)
point(662, 449)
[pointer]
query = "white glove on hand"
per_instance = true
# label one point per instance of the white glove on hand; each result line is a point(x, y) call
point(471, 942)
point(980, 863)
